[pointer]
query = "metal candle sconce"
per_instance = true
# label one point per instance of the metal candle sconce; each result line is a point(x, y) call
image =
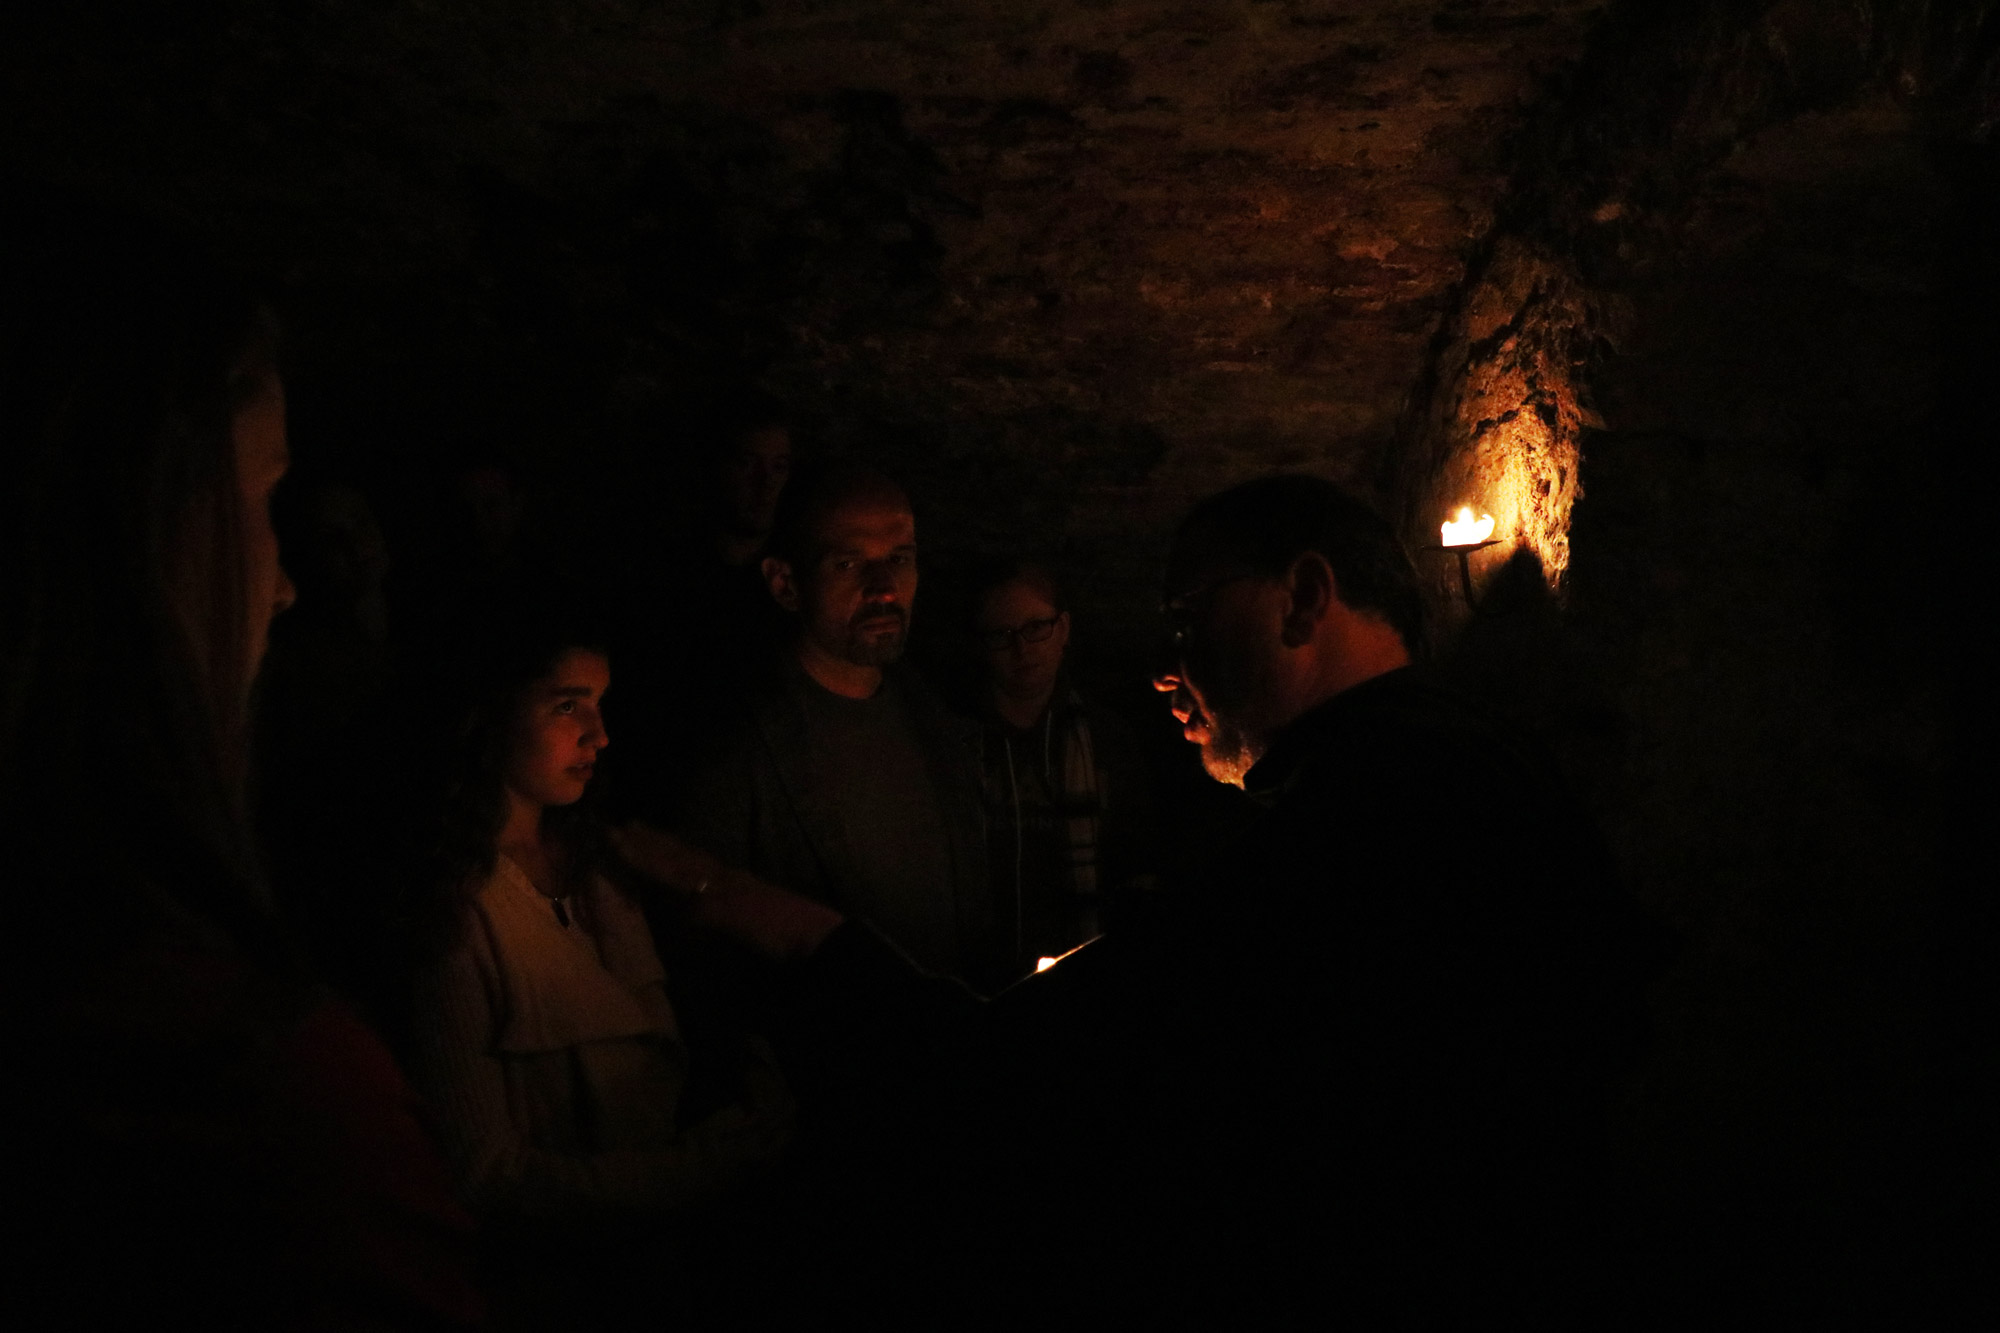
point(1462, 536)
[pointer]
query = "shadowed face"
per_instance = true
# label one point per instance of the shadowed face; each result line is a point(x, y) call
point(854, 602)
point(496, 506)
point(558, 729)
point(1225, 624)
point(346, 543)
point(258, 435)
point(1024, 637)
point(754, 476)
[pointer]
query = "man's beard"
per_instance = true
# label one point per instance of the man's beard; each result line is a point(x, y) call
point(875, 649)
point(1227, 753)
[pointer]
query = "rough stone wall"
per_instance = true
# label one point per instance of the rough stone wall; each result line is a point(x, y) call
point(1065, 266)
point(1688, 296)
point(1782, 763)
point(1607, 178)
point(1740, 287)
point(1498, 432)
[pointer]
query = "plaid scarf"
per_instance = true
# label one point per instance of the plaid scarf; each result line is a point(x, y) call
point(1070, 775)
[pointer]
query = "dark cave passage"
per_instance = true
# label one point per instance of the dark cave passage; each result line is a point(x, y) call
point(1696, 305)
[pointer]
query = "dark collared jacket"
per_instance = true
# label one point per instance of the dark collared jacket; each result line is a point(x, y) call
point(1359, 1061)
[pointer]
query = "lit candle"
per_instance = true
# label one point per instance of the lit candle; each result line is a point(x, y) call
point(1044, 964)
point(1465, 530)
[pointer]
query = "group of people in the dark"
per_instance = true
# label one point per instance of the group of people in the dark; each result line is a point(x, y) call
point(361, 998)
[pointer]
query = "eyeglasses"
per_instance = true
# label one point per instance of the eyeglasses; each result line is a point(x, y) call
point(1034, 631)
point(1182, 611)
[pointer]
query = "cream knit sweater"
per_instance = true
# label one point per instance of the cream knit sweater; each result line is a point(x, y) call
point(551, 1054)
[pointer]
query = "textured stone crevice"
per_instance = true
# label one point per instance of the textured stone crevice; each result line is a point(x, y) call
point(1610, 172)
point(1500, 431)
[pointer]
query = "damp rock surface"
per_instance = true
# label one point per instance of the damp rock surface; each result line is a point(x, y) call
point(1064, 266)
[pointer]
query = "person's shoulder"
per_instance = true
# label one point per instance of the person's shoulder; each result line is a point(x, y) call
point(1404, 730)
point(769, 704)
point(1406, 705)
point(488, 902)
point(1470, 727)
point(455, 945)
point(482, 893)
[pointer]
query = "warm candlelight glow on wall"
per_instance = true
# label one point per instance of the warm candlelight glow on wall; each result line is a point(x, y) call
point(1508, 435)
point(1525, 470)
point(1465, 530)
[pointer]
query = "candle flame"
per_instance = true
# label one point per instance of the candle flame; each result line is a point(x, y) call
point(1465, 530)
point(1045, 962)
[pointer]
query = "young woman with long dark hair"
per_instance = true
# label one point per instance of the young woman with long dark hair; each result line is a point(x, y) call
point(542, 1030)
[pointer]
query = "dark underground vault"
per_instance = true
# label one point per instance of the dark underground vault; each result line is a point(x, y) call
point(1695, 299)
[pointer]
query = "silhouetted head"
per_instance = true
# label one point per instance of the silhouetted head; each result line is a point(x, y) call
point(335, 550)
point(752, 462)
point(492, 506)
point(1280, 594)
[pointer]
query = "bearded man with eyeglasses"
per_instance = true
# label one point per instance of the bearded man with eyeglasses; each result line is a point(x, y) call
point(1355, 1063)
